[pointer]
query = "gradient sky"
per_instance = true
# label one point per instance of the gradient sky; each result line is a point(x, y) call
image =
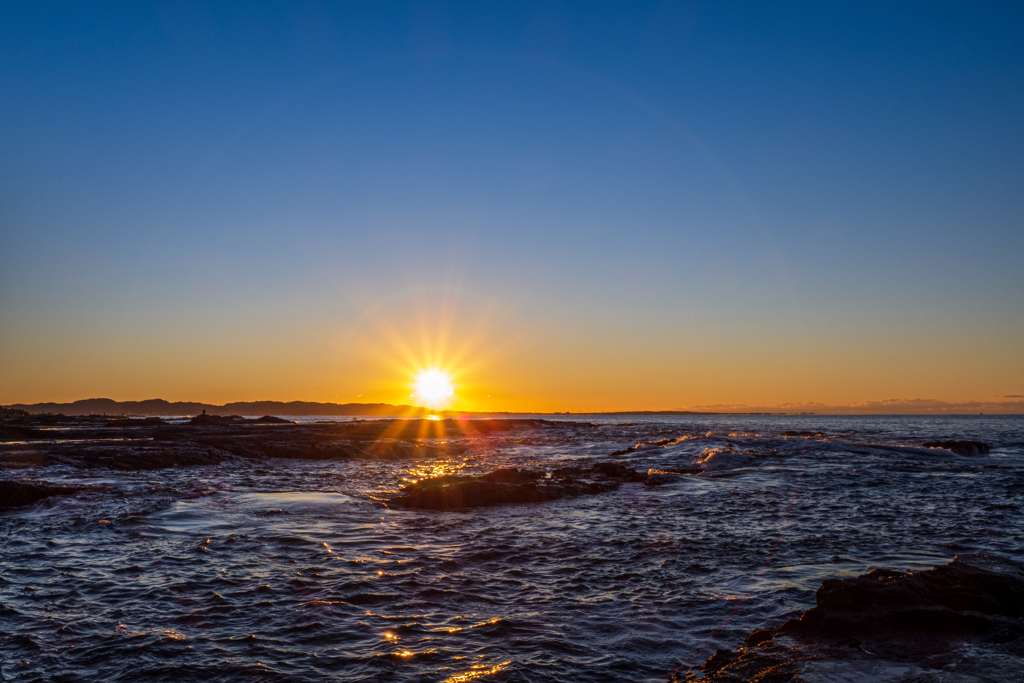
point(572, 206)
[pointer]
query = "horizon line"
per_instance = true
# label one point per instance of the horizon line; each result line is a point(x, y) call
point(910, 407)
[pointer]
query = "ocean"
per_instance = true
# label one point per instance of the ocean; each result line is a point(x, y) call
point(295, 570)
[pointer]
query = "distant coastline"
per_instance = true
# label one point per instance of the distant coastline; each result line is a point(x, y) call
point(158, 407)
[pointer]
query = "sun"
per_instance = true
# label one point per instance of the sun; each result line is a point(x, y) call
point(433, 387)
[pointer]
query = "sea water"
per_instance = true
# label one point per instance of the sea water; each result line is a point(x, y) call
point(288, 570)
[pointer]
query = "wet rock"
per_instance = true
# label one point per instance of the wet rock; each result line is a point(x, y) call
point(389, 449)
point(968, 614)
point(136, 422)
point(960, 447)
point(616, 470)
point(656, 477)
point(972, 594)
point(604, 471)
point(726, 666)
point(204, 419)
point(14, 433)
point(431, 495)
point(646, 445)
point(759, 636)
point(661, 478)
point(18, 493)
point(51, 419)
point(512, 475)
point(271, 420)
point(505, 486)
point(714, 459)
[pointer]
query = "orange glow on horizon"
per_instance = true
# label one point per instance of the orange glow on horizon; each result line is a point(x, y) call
point(498, 358)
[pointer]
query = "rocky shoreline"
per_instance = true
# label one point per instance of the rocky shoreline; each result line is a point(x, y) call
point(962, 622)
point(152, 443)
point(133, 444)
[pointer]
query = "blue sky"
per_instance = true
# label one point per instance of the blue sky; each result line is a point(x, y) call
point(251, 179)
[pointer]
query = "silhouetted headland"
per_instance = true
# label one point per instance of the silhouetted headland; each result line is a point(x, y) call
point(158, 407)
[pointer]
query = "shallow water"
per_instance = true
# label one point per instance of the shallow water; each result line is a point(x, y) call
point(292, 570)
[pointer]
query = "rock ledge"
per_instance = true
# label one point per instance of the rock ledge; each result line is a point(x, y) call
point(966, 616)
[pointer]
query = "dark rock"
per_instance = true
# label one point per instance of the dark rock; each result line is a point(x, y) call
point(719, 660)
point(972, 594)
point(726, 666)
point(866, 623)
point(512, 475)
point(469, 494)
point(656, 477)
point(660, 478)
point(17, 433)
point(505, 486)
point(18, 493)
point(136, 422)
point(391, 449)
point(960, 447)
point(271, 420)
point(204, 419)
point(51, 419)
point(759, 636)
point(616, 470)
point(661, 443)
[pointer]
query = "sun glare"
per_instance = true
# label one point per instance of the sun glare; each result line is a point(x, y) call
point(433, 387)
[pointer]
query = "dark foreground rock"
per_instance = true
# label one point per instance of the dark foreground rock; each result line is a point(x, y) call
point(505, 486)
point(963, 621)
point(960, 447)
point(18, 493)
point(970, 595)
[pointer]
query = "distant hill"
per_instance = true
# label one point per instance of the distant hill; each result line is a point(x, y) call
point(162, 408)
point(158, 407)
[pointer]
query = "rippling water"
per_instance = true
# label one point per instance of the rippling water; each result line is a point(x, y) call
point(292, 570)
